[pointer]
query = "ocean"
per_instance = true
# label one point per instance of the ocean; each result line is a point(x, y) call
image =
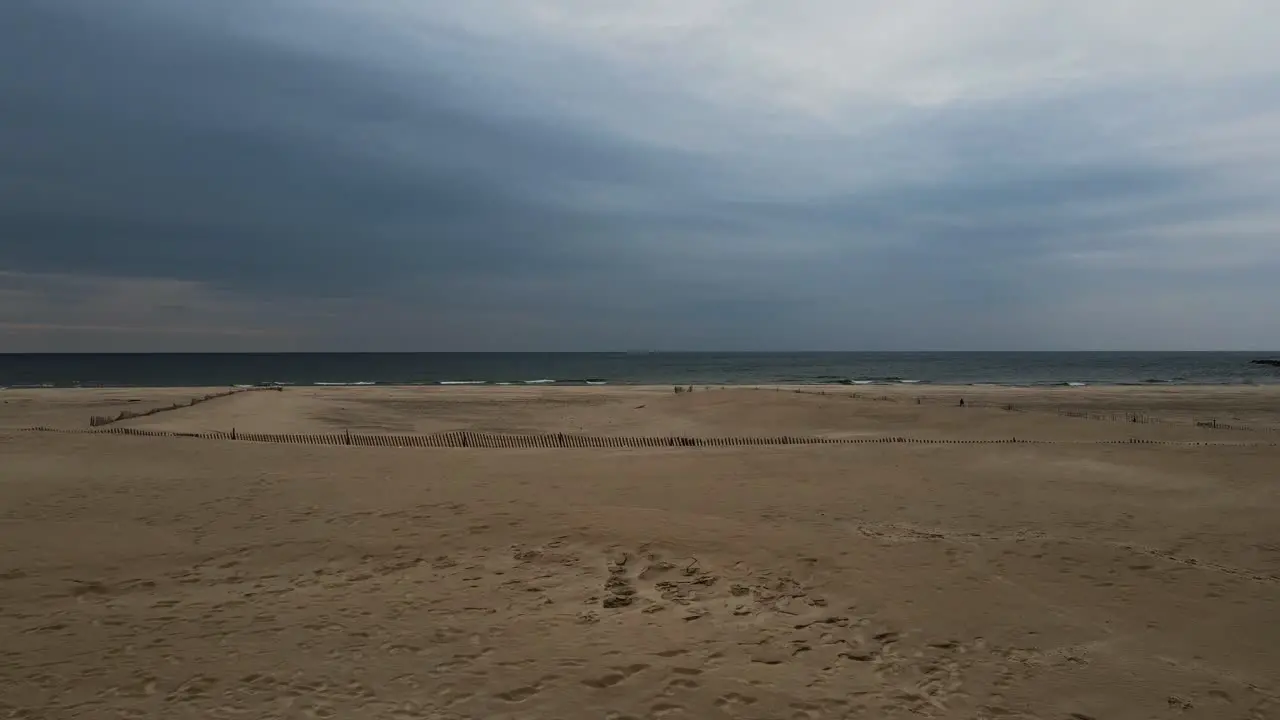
point(635, 368)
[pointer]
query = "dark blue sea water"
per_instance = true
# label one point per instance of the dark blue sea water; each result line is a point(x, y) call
point(1007, 368)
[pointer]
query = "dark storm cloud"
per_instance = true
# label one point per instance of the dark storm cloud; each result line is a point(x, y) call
point(170, 150)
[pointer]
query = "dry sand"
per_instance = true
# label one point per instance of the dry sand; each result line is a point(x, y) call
point(186, 578)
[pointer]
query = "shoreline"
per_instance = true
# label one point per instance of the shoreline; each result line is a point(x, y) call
point(852, 385)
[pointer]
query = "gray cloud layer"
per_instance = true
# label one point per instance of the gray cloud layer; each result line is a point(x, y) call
point(299, 175)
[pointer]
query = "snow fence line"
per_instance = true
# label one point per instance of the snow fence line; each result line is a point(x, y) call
point(470, 439)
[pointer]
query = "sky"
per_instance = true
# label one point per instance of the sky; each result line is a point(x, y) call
point(423, 175)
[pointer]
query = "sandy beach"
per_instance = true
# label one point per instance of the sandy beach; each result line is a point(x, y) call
point(1072, 580)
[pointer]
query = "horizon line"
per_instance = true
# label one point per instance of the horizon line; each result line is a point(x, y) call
point(622, 352)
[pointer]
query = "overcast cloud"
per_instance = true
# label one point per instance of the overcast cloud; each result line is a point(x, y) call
point(586, 175)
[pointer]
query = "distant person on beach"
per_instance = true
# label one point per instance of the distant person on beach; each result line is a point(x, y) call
point(961, 402)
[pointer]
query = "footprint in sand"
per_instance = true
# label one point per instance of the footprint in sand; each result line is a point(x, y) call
point(618, 588)
point(614, 676)
point(646, 576)
point(666, 710)
point(735, 700)
point(524, 692)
